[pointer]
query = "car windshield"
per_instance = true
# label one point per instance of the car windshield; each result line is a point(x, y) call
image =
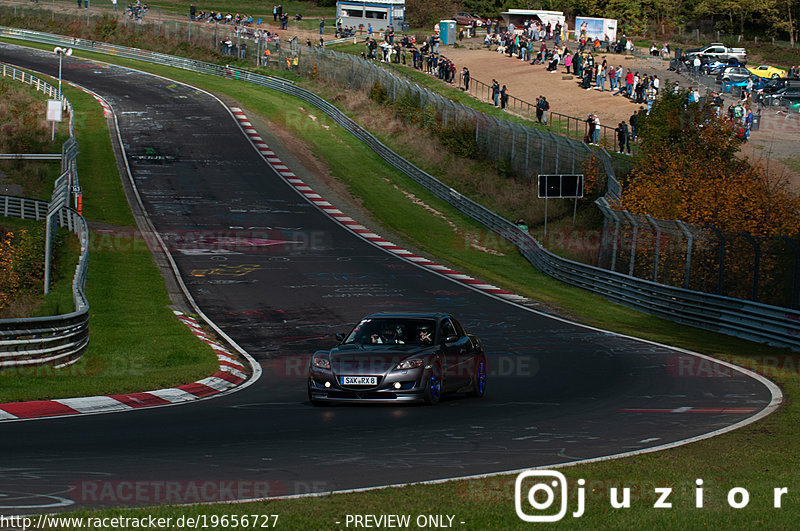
point(392, 331)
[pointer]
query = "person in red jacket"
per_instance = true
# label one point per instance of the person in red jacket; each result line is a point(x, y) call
point(629, 83)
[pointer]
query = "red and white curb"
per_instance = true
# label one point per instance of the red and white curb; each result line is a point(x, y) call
point(352, 225)
point(231, 373)
point(103, 103)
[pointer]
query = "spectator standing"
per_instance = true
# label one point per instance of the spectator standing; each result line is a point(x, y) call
point(567, 60)
point(596, 138)
point(503, 97)
point(495, 92)
point(545, 108)
point(651, 98)
point(590, 126)
point(622, 138)
point(601, 78)
point(465, 76)
point(322, 26)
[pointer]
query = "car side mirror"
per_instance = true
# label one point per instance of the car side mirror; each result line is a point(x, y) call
point(340, 336)
point(451, 339)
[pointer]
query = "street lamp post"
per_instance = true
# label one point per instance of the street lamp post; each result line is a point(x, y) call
point(61, 52)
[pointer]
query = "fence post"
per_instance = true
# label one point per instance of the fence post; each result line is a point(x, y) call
point(721, 269)
point(756, 262)
point(689, 239)
point(633, 240)
point(513, 141)
point(658, 245)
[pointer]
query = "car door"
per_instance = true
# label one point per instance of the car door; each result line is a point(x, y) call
point(456, 354)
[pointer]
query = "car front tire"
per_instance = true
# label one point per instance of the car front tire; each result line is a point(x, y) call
point(315, 403)
point(479, 379)
point(433, 386)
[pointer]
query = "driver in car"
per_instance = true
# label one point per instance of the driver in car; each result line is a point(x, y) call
point(425, 335)
point(389, 335)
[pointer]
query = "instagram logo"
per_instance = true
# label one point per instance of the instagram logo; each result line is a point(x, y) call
point(539, 493)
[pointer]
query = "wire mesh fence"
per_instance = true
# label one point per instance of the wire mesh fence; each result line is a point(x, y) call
point(702, 258)
point(526, 151)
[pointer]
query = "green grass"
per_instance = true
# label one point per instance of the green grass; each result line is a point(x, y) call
point(135, 342)
point(758, 458)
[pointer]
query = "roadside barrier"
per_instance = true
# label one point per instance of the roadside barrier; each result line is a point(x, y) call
point(60, 339)
point(745, 319)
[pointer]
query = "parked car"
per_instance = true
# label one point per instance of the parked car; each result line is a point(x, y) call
point(785, 97)
point(767, 71)
point(774, 85)
point(733, 74)
point(717, 66)
point(758, 83)
point(465, 19)
point(717, 51)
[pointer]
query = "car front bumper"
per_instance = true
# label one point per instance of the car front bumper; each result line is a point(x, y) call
point(410, 382)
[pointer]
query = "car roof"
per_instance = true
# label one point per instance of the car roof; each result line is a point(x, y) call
point(408, 315)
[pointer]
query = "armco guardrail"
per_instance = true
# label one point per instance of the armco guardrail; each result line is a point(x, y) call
point(748, 320)
point(60, 339)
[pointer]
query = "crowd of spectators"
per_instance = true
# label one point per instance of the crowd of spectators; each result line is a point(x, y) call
point(408, 52)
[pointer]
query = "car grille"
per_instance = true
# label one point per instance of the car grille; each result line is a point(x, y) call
point(364, 395)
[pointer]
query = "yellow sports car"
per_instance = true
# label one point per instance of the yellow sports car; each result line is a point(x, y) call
point(766, 71)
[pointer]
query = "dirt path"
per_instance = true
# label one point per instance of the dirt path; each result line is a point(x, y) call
point(776, 142)
point(528, 82)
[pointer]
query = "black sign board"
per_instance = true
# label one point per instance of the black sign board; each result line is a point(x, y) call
point(560, 186)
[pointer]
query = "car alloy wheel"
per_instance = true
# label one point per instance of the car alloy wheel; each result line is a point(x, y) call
point(479, 379)
point(433, 386)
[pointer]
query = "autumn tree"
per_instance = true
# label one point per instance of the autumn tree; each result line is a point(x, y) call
point(689, 169)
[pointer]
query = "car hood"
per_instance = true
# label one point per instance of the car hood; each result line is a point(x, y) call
point(367, 359)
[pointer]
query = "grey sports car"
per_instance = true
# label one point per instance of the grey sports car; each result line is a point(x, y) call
point(399, 357)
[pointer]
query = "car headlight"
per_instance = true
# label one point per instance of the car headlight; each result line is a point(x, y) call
point(322, 363)
point(408, 364)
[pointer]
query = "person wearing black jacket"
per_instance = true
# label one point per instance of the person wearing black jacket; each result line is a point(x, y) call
point(622, 138)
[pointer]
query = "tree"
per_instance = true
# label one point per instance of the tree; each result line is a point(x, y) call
point(688, 169)
point(428, 12)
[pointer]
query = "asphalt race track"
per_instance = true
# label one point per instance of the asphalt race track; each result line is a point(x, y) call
point(557, 392)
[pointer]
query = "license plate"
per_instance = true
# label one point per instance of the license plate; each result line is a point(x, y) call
point(359, 380)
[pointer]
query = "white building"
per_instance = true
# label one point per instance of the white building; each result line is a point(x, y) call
point(379, 13)
point(519, 16)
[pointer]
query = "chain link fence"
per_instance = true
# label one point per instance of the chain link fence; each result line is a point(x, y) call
point(701, 258)
point(526, 151)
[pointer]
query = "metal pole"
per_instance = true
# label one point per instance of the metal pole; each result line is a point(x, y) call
point(688, 235)
point(721, 268)
point(633, 240)
point(756, 263)
point(658, 245)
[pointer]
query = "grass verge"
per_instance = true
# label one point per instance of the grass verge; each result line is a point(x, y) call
point(758, 458)
point(135, 341)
